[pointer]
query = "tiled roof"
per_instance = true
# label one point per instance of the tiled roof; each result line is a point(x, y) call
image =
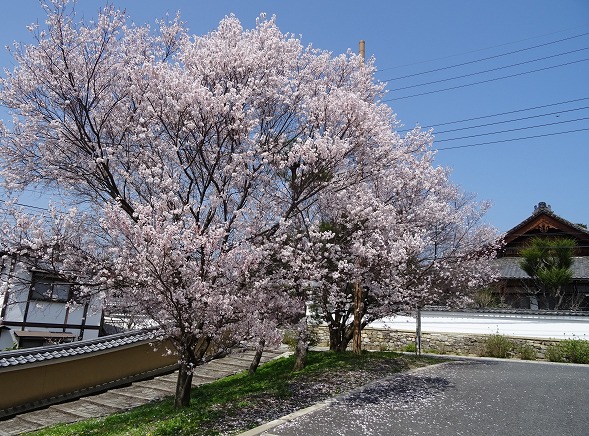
point(509, 268)
point(38, 354)
point(505, 311)
point(548, 211)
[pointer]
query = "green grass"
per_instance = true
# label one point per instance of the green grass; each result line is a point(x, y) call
point(222, 399)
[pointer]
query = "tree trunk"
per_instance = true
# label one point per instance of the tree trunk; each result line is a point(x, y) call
point(339, 337)
point(335, 337)
point(301, 349)
point(183, 386)
point(559, 297)
point(256, 361)
point(192, 350)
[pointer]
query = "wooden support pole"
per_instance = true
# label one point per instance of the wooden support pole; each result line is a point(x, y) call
point(357, 339)
point(357, 332)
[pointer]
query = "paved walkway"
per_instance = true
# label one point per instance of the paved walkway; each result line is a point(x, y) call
point(124, 398)
point(483, 397)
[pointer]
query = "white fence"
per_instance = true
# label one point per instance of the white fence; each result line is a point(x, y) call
point(519, 324)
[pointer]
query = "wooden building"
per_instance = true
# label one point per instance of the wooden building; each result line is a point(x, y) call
point(38, 307)
point(515, 288)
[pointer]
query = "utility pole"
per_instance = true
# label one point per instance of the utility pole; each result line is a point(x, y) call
point(357, 338)
point(418, 331)
point(357, 332)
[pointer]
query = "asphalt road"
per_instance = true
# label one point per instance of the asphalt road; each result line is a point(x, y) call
point(460, 398)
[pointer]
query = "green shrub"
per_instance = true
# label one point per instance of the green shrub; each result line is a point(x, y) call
point(291, 338)
point(527, 352)
point(569, 350)
point(498, 346)
point(410, 347)
point(575, 350)
point(554, 353)
point(442, 349)
point(485, 298)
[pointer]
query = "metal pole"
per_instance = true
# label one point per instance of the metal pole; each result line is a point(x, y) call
point(362, 50)
point(357, 343)
point(418, 333)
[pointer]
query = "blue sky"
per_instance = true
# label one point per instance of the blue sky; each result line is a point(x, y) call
point(548, 39)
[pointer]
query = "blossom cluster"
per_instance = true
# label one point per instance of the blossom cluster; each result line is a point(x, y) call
point(226, 180)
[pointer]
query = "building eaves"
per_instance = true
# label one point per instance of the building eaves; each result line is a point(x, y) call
point(547, 211)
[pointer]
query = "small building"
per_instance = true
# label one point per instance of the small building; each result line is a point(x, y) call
point(515, 288)
point(39, 307)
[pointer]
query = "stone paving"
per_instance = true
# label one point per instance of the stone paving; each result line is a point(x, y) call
point(125, 398)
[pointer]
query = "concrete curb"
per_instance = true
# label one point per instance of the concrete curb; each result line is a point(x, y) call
point(262, 429)
point(496, 359)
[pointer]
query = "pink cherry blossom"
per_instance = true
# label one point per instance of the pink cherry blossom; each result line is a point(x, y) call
point(206, 169)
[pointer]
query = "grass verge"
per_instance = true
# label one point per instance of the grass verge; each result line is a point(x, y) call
point(234, 404)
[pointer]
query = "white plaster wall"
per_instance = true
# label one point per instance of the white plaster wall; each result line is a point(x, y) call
point(17, 283)
point(90, 334)
point(76, 313)
point(531, 326)
point(6, 339)
point(94, 314)
point(47, 312)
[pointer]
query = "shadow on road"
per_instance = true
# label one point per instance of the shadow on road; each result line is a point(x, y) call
point(404, 388)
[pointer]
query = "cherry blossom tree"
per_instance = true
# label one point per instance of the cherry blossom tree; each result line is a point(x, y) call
point(224, 181)
point(193, 160)
point(405, 234)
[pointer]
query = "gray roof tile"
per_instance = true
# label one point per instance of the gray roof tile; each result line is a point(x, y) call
point(31, 355)
point(509, 268)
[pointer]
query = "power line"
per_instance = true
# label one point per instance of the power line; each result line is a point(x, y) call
point(486, 81)
point(513, 120)
point(512, 140)
point(490, 70)
point(27, 206)
point(487, 58)
point(480, 49)
point(499, 114)
point(514, 130)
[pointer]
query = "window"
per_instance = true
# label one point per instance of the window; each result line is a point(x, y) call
point(50, 288)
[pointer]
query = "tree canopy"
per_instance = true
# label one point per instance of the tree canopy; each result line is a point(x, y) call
point(222, 180)
point(548, 261)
